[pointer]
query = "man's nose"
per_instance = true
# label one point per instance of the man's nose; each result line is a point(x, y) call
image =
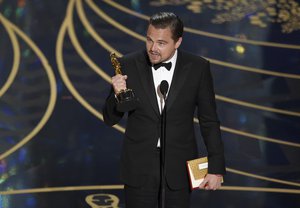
point(153, 47)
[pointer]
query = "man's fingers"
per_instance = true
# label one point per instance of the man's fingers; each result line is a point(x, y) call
point(203, 184)
point(211, 182)
point(208, 183)
point(119, 82)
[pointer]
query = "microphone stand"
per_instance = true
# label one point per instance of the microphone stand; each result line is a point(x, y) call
point(163, 154)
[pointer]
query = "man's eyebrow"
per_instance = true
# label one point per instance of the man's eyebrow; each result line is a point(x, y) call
point(148, 37)
point(162, 41)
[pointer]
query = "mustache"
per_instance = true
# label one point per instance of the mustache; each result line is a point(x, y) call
point(154, 52)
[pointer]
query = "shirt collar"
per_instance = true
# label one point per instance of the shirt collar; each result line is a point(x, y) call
point(172, 60)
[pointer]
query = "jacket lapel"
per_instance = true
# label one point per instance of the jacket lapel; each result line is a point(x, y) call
point(145, 74)
point(146, 78)
point(178, 80)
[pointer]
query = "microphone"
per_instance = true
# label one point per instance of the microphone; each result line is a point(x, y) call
point(164, 86)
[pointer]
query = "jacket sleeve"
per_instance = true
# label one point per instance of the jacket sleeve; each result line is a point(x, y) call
point(110, 114)
point(209, 123)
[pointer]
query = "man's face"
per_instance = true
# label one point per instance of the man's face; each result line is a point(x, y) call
point(160, 45)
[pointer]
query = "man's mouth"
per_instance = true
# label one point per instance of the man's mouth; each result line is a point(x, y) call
point(154, 54)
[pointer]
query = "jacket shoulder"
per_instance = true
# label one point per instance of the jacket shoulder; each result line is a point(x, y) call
point(134, 56)
point(129, 62)
point(189, 57)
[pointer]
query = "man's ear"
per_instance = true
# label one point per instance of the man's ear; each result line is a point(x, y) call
point(177, 44)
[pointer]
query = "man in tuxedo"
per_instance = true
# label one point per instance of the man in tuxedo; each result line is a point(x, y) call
point(191, 89)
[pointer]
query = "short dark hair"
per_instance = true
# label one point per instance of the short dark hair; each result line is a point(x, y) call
point(163, 20)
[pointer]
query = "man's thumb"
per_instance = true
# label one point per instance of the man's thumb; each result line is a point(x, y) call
point(204, 182)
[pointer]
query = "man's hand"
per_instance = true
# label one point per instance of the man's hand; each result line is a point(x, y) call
point(211, 182)
point(119, 82)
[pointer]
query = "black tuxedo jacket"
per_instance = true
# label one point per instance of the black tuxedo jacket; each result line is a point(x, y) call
point(191, 89)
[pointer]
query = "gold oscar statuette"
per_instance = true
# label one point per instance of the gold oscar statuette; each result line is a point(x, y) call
point(126, 97)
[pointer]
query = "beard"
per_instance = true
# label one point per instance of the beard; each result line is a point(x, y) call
point(154, 57)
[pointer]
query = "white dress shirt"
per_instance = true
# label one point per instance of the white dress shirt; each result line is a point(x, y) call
point(159, 75)
point(163, 74)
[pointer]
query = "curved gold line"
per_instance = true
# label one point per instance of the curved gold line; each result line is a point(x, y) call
point(16, 60)
point(61, 67)
point(252, 69)
point(58, 189)
point(260, 107)
point(77, 45)
point(255, 136)
point(102, 14)
point(53, 94)
point(111, 21)
point(262, 177)
point(208, 34)
point(119, 187)
point(123, 130)
point(258, 137)
point(218, 97)
point(93, 33)
point(260, 189)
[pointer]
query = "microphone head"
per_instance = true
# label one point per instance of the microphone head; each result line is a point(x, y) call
point(164, 86)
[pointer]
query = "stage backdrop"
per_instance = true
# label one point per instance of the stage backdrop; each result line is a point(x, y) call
point(56, 152)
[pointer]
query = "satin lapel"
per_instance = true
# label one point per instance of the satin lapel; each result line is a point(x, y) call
point(178, 80)
point(146, 77)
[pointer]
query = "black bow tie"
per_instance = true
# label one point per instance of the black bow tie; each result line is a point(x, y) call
point(166, 65)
